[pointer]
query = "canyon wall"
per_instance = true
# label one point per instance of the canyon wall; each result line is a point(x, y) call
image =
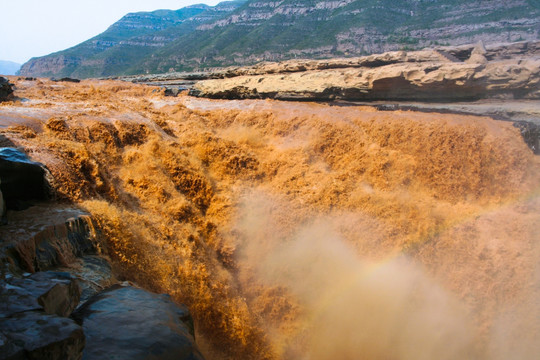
point(248, 32)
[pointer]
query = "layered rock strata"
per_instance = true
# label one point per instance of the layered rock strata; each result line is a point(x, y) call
point(429, 75)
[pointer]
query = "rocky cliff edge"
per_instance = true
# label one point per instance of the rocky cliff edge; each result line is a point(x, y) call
point(472, 72)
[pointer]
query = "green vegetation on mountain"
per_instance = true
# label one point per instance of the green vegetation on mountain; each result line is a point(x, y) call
point(245, 32)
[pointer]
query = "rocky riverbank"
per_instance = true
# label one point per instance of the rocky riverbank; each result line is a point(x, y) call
point(468, 72)
point(59, 296)
point(454, 74)
point(501, 81)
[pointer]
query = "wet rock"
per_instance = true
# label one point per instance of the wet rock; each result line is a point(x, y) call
point(54, 293)
point(94, 274)
point(172, 91)
point(6, 89)
point(33, 317)
point(60, 292)
point(54, 245)
point(66, 79)
point(134, 324)
point(531, 134)
point(22, 180)
point(36, 335)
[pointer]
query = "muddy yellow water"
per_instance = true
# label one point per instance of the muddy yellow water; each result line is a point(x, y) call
point(299, 230)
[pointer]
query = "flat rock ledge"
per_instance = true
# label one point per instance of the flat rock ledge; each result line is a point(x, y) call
point(452, 74)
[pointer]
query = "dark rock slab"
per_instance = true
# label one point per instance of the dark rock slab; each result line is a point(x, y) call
point(130, 323)
point(30, 243)
point(36, 335)
point(55, 293)
point(66, 79)
point(531, 134)
point(6, 89)
point(172, 91)
point(22, 180)
point(33, 317)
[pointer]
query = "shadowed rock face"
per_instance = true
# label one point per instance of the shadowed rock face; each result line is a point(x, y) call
point(35, 335)
point(33, 317)
point(531, 135)
point(5, 89)
point(55, 293)
point(134, 324)
point(23, 180)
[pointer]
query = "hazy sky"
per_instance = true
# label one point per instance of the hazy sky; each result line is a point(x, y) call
point(30, 28)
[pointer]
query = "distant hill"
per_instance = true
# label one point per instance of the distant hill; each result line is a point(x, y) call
point(8, 67)
point(248, 31)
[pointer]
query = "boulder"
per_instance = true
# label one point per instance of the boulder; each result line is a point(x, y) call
point(59, 292)
point(6, 89)
point(36, 335)
point(172, 91)
point(66, 79)
point(131, 323)
point(22, 180)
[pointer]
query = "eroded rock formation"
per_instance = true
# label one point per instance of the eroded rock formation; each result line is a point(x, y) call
point(245, 32)
point(429, 75)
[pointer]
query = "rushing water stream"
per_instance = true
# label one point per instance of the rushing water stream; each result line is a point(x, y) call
point(301, 230)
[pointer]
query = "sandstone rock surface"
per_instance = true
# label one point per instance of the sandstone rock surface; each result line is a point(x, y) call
point(94, 274)
point(428, 75)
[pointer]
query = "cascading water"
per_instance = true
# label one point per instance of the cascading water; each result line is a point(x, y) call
point(304, 231)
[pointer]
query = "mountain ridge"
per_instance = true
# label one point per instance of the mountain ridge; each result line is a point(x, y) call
point(246, 32)
point(9, 67)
